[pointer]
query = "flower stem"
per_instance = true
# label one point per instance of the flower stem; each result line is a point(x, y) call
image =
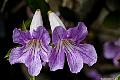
point(32, 78)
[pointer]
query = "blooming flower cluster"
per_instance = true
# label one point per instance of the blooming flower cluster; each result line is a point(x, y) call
point(112, 51)
point(36, 49)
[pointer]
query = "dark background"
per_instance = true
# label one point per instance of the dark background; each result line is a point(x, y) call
point(96, 14)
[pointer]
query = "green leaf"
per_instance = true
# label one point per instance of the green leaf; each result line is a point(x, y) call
point(8, 54)
point(26, 24)
point(118, 77)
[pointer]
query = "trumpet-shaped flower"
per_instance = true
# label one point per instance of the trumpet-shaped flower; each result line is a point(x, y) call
point(35, 46)
point(67, 43)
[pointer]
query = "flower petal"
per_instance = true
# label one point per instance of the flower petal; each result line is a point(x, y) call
point(20, 36)
point(117, 42)
point(110, 50)
point(58, 34)
point(17, 55)
point(78, 33)
point(36, 21)
point(88, 54)
point(35, 65)
point(74, 60)
point(42, 34)
point(57, 58)
point(116, 59)
point(44, 52)
point(54, 21)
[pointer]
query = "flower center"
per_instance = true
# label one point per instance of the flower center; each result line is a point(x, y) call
point(33, 42)
point(68, 44)
point(34, 46)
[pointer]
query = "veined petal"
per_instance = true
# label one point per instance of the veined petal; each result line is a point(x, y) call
point(78, 33)
point(110, 50)
point(26, 56)
point(36, 21)
point(20, 37)
point(17, 55)
point(57, 58)
point(42, 34)
point(58, 34)
point(44, 52)
point(35, 65)
point(54, 21)
point(74, 59)
point(88, 53)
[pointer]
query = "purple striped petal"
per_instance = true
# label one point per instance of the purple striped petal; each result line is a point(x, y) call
point(57, 58)
point(88, 53)
point(44, 52)
point(17, 55)
point(78, 33)
point(110, 50)
point(33, 61)
point(35, 65)
point(58, 34)
point(74, 60)
point(35, 47)
point(20, 37)
point(42, 34)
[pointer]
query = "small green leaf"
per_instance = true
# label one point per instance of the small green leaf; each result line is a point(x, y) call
point(8, 54)
point(118, 77)
point(26, 24)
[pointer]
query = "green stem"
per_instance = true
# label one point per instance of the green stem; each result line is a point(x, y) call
point(32, 78)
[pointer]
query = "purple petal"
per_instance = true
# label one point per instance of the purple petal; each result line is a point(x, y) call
point(17, 55)
point(42, 34)
point(58, 34)
point(94, 75)
point(117, 42)
point(74, 60)
point(110, 50)
point(57, 58)
point(35, 65)
point(88, 54)
point(78, 33)
point(45, 51)
point(116, 60)
point(20, 36)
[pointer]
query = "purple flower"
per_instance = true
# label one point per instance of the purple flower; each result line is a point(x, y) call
point(112, 51)
point(67, 44)
point(35, 46)
point(94, 75)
